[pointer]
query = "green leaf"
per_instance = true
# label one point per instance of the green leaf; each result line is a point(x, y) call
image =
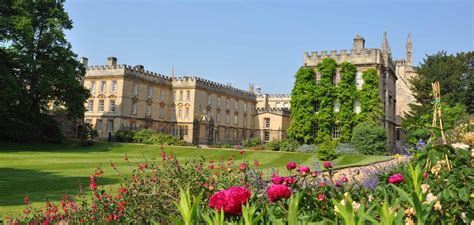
point(463, 194)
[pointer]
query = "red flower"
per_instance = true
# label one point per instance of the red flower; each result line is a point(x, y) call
point(278, 180)
point(396, 179)
point(290, 180)
point(322, 184)
point(123, 190)
point(278, 191)
point(242, 152)
point(163, 155)
point(243, 167)
point(314, 174)
point(425, 174)
point(230, 200)
point(327, 164)
point(92, 184)
point(321, 197)
point(304, 170)
point(256, 163)
point(344, 179)
point(291, 165)
point(338, 184)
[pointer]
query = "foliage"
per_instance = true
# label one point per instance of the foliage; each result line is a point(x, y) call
point(371, 104)
point(307, 148)
point(273, 145)
point(302, 106)
point(325, 96)
point(346, 94)
point(345, 148)
point(147, 136)
point(87, 134)
point(124, 135)
point(327, 150)
point(289, 145)
point(369, 139)
point(251, 142)
point(40, 68)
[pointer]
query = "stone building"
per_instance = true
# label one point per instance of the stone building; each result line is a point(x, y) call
point(364, 58)
point(130, 97)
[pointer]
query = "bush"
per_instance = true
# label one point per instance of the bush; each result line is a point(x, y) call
point(307, 148)
point(124, 135)
point(143, 134)
point(258, 147)
point(87, 134)
point(369, 139)
point(327, 150)
point(227, 146)
point(345, 148)
point(273, 145)
point(251, 142)
point(289, 145)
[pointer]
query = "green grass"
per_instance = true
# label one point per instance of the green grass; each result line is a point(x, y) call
point(48, 171)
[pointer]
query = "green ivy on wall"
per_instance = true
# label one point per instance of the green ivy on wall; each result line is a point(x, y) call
point(302, 106)
point(346, 94)
point(371, 104)
point(325, 95)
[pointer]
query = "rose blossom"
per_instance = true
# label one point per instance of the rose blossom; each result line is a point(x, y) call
point(290, 180)
point(327, 164)
point(344, 179)
point(425, 174)
point(278, 180)
point(304, 170)
point(291, 165)
point(321, 197)
point(242, 167)
point(230, 200)
point(278, 191)
point(396, 179)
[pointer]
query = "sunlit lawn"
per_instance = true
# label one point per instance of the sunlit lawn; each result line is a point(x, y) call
point(47, 171)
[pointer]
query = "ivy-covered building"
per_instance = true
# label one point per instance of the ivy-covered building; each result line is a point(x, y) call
point(364, 59)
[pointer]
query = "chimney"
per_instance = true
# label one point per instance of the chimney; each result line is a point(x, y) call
point(139, 67)
point(84, 61)
point(111, 61)
point(359, 43)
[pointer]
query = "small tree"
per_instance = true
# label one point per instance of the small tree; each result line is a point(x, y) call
point(327, 149)
point(369, 139)
point(302, 106)
point(87, 134)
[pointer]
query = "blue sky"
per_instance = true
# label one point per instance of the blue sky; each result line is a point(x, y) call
point(258, 41)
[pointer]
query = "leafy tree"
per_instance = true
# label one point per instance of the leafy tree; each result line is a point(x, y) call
point(302, 106)
point(369, 139)
point(38, 66)
point(371, 104)
point(327, 149)
point(455, 74)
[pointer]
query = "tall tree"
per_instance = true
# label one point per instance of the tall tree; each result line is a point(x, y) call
point(39, 60)
point(302, 106)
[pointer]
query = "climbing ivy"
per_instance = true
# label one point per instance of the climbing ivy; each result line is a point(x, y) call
point(346, 94)
point(371, 104)
point(302, 106)
point(325, 94)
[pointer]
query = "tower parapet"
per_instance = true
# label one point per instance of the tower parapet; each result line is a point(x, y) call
point(355, 56)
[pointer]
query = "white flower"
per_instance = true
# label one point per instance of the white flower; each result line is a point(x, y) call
point(430, 198)
point(460, 145)
point(371, 198)
point(424, 188)
point(437, 206)
point(410, 212)
point(343, 202)
point(355, 206)
point(409, 221)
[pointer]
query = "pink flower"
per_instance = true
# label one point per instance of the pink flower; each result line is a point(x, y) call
point(322, 184)
point(321, 197)
point(230, 200)
point(278, 180)
point(242, 167)
point(278, 191)
point(425, 174)
point(291, 165)
point(344, 179)
point(314, 174)
point(304, 170)
point(327, 164)
point(290, 180)
point(338, 184)
point(92, 184)
point(396, 179)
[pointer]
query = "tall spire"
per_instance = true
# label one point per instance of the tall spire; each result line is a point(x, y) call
point(385, 47)
point(409, 51)
point(172, 71)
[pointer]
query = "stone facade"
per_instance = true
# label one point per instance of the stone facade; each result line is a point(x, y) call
point(364, 58)
point(130, 97)
point(272, 123)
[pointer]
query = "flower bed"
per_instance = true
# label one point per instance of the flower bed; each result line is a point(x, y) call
point(434, 187)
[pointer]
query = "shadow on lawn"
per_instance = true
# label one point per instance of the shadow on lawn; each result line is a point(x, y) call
point(71, 146)
point(40, 186)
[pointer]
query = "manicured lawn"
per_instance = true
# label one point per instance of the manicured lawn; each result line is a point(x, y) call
point(48, 171)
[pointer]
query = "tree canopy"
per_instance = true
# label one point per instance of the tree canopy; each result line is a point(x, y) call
point(38, 67)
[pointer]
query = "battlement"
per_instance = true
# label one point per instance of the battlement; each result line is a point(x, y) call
point(279, 111)
point(211, 85)
point(275, 96)
point(400, 62)
point(355, 56)
point(123, 69)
